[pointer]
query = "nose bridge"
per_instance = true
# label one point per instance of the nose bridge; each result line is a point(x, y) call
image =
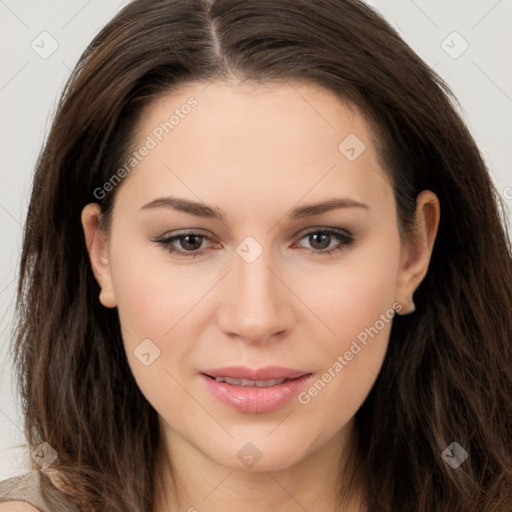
point(256, 284)
point(258, 305)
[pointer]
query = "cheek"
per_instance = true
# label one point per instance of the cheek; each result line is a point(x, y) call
point(159, 303)
point(153, 302)
point(357, 305)
point(152, 294)
point(352, 294)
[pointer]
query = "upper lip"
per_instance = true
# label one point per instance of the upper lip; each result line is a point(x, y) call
point(266, 373)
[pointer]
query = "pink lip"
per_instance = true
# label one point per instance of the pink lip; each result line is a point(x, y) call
point(254, 399)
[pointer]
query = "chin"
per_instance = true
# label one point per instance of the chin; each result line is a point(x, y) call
point(260, 455)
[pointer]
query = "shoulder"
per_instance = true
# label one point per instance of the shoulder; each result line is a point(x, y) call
point(17, 506)
point(22, 494)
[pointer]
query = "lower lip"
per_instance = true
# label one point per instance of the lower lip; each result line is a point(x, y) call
point(253, 399)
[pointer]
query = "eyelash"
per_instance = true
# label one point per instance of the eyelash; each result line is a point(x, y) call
point(345, 239)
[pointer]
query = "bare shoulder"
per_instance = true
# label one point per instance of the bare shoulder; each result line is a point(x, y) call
point(17, 506)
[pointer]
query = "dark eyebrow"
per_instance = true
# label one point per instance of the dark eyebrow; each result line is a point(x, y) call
point(187, 206)
point(325, 206)
point(202, 210)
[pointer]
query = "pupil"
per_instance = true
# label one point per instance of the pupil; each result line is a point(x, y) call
point(190, 245)
point(324, 236)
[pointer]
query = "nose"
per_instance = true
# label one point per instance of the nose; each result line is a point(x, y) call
point(257, 305)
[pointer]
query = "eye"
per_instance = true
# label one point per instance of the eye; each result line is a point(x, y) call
point(321, 239)
point(191, 243)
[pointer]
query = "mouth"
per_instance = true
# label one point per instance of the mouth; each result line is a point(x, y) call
point(254, 375)
point(252, 383)
point(255, 391)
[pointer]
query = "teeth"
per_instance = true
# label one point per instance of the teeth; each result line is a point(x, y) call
point(247, 382)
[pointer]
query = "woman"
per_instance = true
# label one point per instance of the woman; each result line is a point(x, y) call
point(234, 202)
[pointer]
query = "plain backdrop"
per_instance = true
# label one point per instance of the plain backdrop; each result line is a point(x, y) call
point(467, 42)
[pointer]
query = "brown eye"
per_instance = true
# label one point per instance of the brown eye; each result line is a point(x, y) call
point(190, 242)
point(184, 244)
point(321, 240)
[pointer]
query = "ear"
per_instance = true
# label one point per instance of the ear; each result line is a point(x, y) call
point(417, 249)
point(97, 248)
point(57, 480)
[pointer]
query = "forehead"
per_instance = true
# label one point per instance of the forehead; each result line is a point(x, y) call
point(231, 110)
point(281, 141)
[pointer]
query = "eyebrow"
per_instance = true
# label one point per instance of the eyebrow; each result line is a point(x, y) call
point(203, 210)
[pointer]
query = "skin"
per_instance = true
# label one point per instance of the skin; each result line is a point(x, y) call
point(17, 506)
point(277, 149)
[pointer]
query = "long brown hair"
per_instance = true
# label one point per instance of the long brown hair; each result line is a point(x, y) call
point(447, 375)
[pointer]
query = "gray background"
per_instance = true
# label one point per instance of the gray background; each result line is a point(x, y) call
point(31, 80)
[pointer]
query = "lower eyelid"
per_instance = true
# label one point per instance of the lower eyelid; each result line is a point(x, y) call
point(344, 238)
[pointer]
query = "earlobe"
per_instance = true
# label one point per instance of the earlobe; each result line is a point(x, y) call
point(97, 249)
point(417, 252)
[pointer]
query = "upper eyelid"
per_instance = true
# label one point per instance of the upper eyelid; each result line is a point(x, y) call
point(201, 231)
point(296, 237)
point(301, 232)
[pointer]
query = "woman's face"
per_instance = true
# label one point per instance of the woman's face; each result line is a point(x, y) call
point(260, 277)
